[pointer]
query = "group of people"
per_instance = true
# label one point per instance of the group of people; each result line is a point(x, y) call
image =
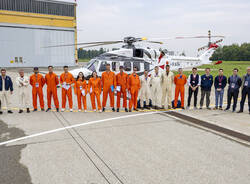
point(158, 87)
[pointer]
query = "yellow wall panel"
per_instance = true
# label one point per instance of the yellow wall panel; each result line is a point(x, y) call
point(36, 19)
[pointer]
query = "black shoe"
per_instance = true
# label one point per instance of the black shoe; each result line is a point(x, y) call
point(226, 109)
point(142, 108)
point(9, 112)
point(130, 110)
point(208, 108)
point(113, 109)
point(200, 107)
point(135, 109)
point(174, 107)
point(48, 109)
point(126, 110)
point(147, 107)
point(1, 112)
point(34, 110)
point(117, 110)
point(42, 109)
point(183, 108)
point(240, 111)
point(57, 109)
point(28, 110)
point(233, 110)
point(103, 109)
point(20, 111)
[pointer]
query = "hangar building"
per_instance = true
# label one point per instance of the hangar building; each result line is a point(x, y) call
point(29, 27)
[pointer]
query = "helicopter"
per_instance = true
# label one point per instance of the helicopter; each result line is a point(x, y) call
point(144, 58)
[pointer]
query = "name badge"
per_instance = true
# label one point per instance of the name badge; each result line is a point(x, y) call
point(112, 88)
point(193, 81)
point(37, 85)
point(90, 90)
point(246, 83)
point(80, 87)
point(118, 88)
point(83, 92)
point(219, 84)
point(233, 85)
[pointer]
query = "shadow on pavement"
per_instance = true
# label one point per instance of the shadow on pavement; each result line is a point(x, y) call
point(11, 170)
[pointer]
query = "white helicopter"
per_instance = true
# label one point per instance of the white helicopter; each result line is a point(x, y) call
point(143, 58)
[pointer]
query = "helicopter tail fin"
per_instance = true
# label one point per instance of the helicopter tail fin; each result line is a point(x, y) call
point(208, 53)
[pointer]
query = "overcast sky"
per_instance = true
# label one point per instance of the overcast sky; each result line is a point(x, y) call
point(115, 19)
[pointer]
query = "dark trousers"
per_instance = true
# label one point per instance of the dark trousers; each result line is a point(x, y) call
point(245, 93)
point(232, 94)
point(190, 93)
point(203, 94)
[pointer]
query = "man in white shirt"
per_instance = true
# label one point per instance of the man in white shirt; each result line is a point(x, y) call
point(145, 90)
point(167, 80)
point(155, 84)
point(23, 91)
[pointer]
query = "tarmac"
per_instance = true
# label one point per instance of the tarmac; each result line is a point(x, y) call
point(178, 146)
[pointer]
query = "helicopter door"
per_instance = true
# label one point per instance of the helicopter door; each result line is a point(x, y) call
point(115, 66)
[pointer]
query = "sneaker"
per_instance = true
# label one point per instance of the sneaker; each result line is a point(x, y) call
point(215, 108)
point(79, 110)
point(20, 111)
point(135, 109)
point(1, 112)
point(48, 109)
point(147, 107)
point(103, 109)
point(142, 108)
point(195, 108)
point(100, 110)
point(117, 110)
point(57, 109)
point(113, 109)
point(226, 109)
point(174, 107)
point(71, 110)
point(126, 110)
point(169, 107)
point(28, 110)
point(220, 108)
point(62, 110)
point(208, 108)
point(240, 111)
point(34, 110)
point(200, 107)
point(233, 110)
point(9, 112)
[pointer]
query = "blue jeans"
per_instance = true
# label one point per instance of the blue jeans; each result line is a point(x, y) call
point(219, 97)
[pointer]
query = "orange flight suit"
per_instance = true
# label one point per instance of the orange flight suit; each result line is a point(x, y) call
point(37, 82)
point(180, 82)
point(95, 89)
point(134, 86)
point(79, 86)
point(52, 81)
point(122, 81)
point(68, 79)
point(108, 80)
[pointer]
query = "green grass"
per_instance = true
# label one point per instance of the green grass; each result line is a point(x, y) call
point(227, 66)
point(83, 60)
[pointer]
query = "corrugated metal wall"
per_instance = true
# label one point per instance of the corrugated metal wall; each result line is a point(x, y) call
point(22, 46)
point(39, 6)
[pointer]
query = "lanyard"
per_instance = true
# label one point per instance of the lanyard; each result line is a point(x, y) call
point(220, 78)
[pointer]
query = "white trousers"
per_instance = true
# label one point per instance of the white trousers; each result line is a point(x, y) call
point(144, 96)
point(156, 95)
point(24, 100)
point(5, 97)
point(166, 95)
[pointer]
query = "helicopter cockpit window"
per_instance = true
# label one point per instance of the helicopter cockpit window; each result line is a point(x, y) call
point(102, 66)
point(137, 65)
point(127, 66)
point(138, 53)
point(114, 66)
point(93, 65)
point(146, 66)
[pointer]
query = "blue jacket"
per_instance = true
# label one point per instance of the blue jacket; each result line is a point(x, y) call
point(8, 84)
point(218, 84)
point(206, 82)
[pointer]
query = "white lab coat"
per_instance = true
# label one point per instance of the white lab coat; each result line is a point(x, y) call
point(155, 82)
point(145, 90)
point(167, 82)
point(23, 91)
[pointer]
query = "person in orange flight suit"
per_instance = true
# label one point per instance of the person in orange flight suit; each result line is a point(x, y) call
point(109, 86)
point(121, 87)
point(95, 89)
point(81, 91)
point(52, 81)
point(67, 80)
point(134, 86)
point(180, 80)
point(37, 82)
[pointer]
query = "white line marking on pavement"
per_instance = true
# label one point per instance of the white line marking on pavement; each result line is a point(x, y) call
point(78, 125)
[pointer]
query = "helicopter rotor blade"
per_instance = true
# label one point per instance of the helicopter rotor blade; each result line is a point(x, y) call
point(96, 45)
point(87, 43)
